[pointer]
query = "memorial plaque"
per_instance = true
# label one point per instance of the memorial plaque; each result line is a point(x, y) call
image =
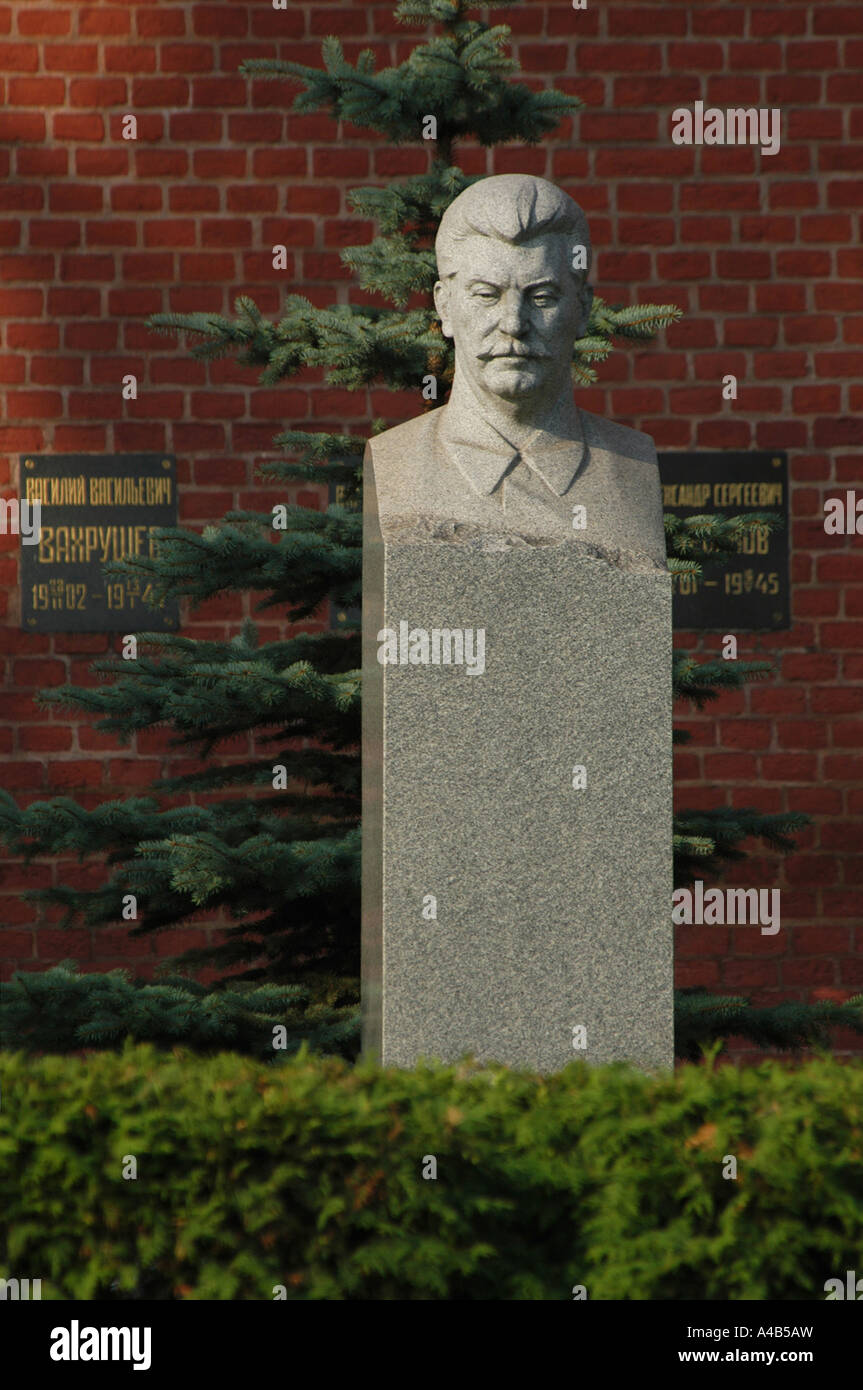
point(751, 591)
point(95, 509)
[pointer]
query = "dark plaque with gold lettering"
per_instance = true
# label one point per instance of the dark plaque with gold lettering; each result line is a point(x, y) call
point(749, 591)
point(95, 508)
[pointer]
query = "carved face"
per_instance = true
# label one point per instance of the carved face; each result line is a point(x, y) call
point(514, 313)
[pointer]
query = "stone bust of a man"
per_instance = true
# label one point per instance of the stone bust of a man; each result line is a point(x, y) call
point(511, 454)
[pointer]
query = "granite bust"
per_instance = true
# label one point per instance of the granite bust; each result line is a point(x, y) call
point(511, 455)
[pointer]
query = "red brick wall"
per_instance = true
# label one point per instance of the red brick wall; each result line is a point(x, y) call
point(762, 252)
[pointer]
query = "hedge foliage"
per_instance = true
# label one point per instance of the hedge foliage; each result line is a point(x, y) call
point(308, 1177)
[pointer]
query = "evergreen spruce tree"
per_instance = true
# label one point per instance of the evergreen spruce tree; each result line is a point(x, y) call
point(281, 857)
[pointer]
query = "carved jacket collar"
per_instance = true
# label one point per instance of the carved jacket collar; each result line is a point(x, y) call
point(484, 456)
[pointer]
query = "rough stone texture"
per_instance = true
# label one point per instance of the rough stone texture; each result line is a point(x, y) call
point(554, 904)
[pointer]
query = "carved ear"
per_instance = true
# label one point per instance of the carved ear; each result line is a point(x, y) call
point(441, 303)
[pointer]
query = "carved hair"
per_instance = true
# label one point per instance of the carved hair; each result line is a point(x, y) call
point(515, 208)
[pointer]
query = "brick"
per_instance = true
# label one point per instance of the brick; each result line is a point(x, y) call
point(811, 329)
point(811, 57)
point(210, 266)
point(849, 263)
point(696, 940)
point(219, 92)
point(34, 405)
point(775, 22)
point(846, 193)
point(731, 91)
point(818, 941)
point(743, 264)
point(161, 23)
point(816, 603)
point(842, 636)
point(18, 125)
point(746, 973)
point(648, 21)
point(75, 198)
point(823, 124)
point(780, 434)
point(808, 399)
point(802, 193)
point(72, 57)
point(130, 58)
point(42, 22)
point(618, 126)
point(197, 126)
point(209, 164)
point(688, 974)
point(725, 767)
point(682, 265)
point(219, 21)
point(725, 197)
point(833, 699)
point(837, 19)
point(26, 268)
point(848, 735)
point(780, 364)
point(843, 768)
point(727, 159)
point(839, 159)
point(840, 363)
point(746, 733)
point(646, 231)
point(776, 700)
point(19, 57)
point(78, 127)
point(789, 767)
point(622, 57)
point(828, 433)
point(63, 944)
point(826, 227)
point(839, 297)
point(674, 162)
point(715, 229)
point(808, 972)
point(15, 945)
point(633, 91)
point(717, 22)
point(36, 91)
point(770, 229)
point(104, 23)
point(693, 57)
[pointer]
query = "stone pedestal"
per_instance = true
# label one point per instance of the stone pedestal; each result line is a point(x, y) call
point(503, 906)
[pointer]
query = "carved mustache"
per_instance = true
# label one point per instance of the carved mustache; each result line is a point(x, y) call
point(510, 352)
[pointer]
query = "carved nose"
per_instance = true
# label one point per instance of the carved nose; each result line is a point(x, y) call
point(512, 318)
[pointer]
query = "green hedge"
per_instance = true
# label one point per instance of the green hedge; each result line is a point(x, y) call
point(308, 1175)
